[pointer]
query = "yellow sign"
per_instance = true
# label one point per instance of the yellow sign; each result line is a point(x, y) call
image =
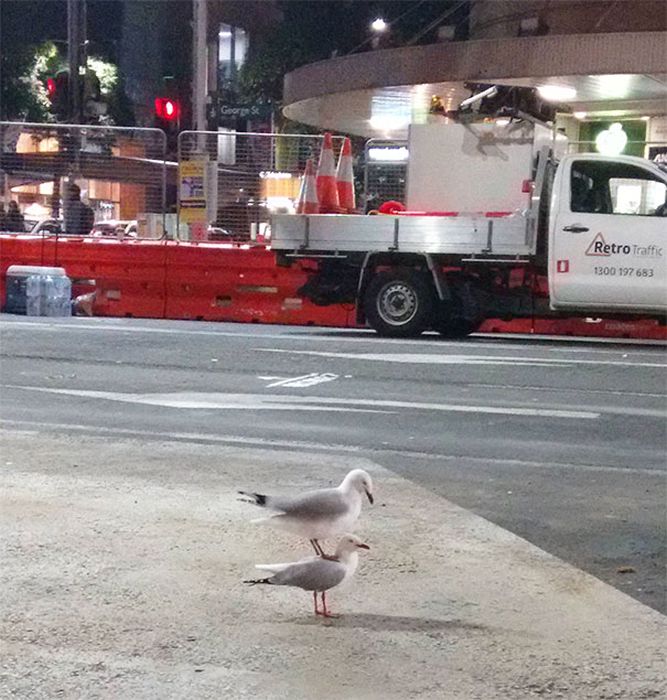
point(192, 190)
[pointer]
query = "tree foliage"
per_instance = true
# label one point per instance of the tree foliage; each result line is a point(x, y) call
point(26, 70)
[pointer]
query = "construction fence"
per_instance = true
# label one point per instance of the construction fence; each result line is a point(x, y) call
point(231, 183)
point(120, 173)
point(224, 185)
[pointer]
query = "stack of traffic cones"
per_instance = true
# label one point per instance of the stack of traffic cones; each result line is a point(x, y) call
point(327, 188)
point(344, 178)
point(308, 202)
point(329, 191)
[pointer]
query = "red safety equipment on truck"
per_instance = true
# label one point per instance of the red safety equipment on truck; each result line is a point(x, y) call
point(391, 207)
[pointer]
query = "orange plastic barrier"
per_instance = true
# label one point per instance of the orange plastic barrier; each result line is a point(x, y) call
point(129, 275)
point(229, 282)
point(18, 250)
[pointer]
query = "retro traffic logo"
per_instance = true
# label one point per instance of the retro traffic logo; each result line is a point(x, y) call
point(600, 248)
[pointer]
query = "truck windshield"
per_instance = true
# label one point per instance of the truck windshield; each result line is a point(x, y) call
point(603, 187)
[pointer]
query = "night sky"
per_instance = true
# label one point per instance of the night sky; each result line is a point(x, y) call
point(345, 22)
point(151, 39)
point(35, 21)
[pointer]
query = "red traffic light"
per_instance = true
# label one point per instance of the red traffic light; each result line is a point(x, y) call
point(57, 89)
point(167, 109)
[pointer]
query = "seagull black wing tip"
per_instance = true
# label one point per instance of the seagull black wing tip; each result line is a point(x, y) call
point(257, 498)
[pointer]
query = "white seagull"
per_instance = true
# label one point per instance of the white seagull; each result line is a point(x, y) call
point(317, 574)
point(318, 515)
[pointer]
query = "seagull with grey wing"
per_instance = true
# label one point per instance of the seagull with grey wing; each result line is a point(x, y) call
point(321, 514)
point(317, 574)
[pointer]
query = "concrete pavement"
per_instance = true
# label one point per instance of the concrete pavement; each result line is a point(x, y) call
point(560, 442)
point(122, 568)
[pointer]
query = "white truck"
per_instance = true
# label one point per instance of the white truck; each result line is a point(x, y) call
point(499, 223)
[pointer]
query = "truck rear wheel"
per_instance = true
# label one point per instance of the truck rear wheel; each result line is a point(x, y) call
point(399, 304)
point(463, 313)
point(456, 327)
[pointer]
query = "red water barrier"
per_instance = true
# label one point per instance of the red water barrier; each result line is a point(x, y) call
point(638, 329)
point(129, 275)
point(18, 250)
point(227, 282)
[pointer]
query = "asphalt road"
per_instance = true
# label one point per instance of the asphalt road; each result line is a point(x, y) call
point(559, 442)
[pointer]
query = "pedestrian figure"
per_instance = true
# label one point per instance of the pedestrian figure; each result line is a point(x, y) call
point(14, 218)
point(79, 217)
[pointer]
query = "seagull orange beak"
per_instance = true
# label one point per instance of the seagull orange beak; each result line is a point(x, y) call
point(370, 496)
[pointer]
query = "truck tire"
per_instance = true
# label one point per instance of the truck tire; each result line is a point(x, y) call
point(456, 327)
point(399, 303)
point(463, 314)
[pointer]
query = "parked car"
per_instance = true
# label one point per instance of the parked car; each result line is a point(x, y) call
point(47, 227)
point(217, 233)
point(115, 229)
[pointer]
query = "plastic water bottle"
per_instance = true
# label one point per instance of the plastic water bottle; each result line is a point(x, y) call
point(33, 293)
point(64, 289)
point(56, 295)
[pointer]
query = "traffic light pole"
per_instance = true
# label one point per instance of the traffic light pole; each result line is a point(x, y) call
point(76, 35)
point(199, 63)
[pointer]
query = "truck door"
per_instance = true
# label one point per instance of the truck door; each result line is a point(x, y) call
point(608, 240)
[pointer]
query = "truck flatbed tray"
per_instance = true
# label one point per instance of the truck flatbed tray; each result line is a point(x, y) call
point(461, 235)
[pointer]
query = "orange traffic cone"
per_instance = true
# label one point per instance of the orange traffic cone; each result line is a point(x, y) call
point(344, 178)
point(327, 191)
point(308, 202)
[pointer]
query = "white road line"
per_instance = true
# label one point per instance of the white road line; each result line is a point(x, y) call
point(350, 335)
point(279, 381)
point(306, 380)
point(566, 390)
point(34, 426)
point(222, 400)
point(444, 359)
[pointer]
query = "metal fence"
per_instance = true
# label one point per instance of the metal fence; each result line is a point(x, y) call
point(121, 175)
point(230, 183)
point(385, 172)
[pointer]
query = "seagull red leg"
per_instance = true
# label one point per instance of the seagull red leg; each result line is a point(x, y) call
point(325, 612)
point(317, 612)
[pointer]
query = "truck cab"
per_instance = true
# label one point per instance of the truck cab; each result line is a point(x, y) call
point(608, 235)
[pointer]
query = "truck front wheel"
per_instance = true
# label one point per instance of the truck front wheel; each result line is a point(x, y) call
point(399, 304)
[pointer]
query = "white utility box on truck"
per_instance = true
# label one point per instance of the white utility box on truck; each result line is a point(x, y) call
point(495, 216)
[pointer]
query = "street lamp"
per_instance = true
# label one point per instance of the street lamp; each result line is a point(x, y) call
point(378, 25)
